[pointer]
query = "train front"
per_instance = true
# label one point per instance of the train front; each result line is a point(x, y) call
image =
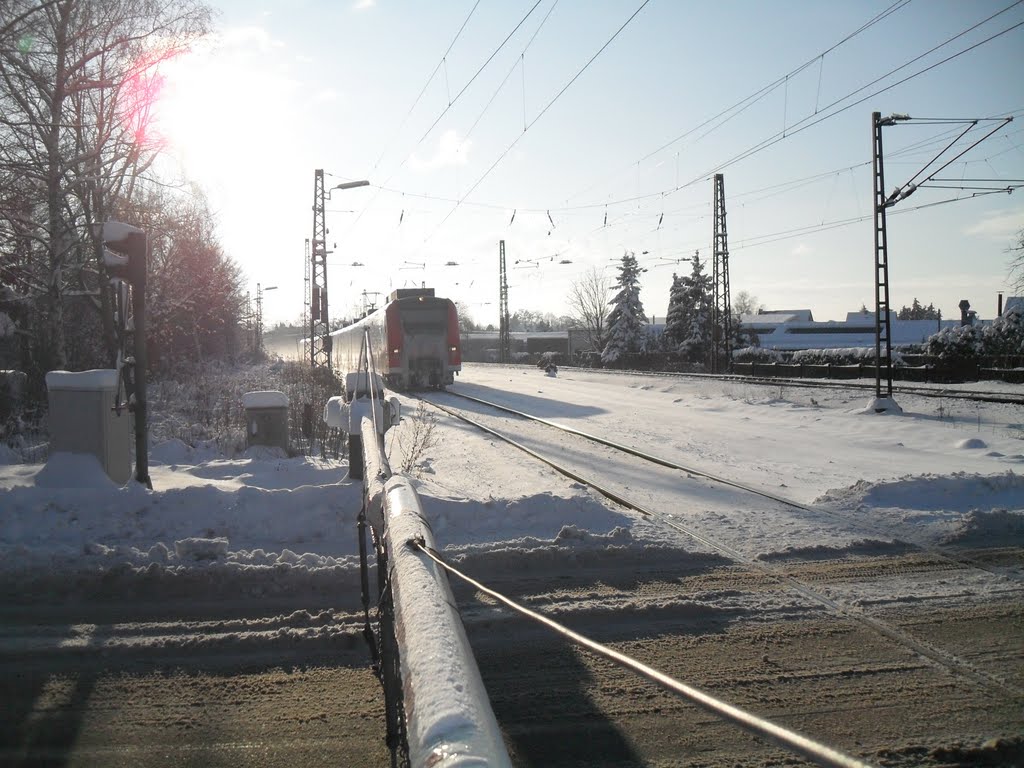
point(424, 348)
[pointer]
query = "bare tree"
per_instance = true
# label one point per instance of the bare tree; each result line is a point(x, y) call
point(1017, 263)
point(745, 303)
point(588, 299)
point(76, 84)
point(466, 324)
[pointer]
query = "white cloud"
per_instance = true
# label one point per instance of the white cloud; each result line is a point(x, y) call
point(327, 94)
point(999, 226)
point(450, 151)
point(240, 37)
point(362, 5)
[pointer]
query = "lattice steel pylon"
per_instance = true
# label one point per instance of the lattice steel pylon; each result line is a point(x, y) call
point(319, 318)
point(883, 339)
point(721, 312)
point(504, 337)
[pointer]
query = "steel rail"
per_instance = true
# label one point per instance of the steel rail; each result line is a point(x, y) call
point(924, 649)
point(1006, 398)
point(956, 558)
point(635, 452)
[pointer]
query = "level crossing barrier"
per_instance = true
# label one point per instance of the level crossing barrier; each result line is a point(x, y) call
point(437, 705)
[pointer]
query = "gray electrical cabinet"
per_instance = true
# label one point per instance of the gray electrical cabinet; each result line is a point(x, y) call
point(83, 419)
point(266, 416)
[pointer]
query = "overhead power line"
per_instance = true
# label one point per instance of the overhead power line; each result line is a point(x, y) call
point(543, 111)
point(483, 66)
point(799, 126)
point(448, 107)
point(757, 95)
point(430, 79)
point(518, 63)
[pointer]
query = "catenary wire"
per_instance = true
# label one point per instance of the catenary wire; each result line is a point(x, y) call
point(430, 79)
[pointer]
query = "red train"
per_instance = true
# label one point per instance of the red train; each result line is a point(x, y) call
point(414, 341)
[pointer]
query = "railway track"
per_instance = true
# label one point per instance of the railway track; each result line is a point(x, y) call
point(930, 558)
point(981, 396)
point(946, 555)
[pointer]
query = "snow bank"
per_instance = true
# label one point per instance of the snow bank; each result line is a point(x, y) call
point(265, 524)
point(982, 510)
point(73, 470)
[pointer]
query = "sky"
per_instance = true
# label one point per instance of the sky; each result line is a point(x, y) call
point(577, 131)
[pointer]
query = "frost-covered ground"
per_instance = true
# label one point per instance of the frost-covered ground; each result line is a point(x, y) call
point(936, 475)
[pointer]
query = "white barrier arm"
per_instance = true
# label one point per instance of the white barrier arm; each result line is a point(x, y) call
point(448, 714)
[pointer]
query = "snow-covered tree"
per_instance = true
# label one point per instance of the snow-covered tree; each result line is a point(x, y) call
point(675, 321)
point(918, 311)
point(688, 328)
point(627, 331)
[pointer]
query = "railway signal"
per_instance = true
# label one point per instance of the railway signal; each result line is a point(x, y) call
point(125, 255)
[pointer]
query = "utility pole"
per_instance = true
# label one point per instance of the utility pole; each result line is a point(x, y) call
point(307, 269)
point(259, 319)
point(504, 337)
point(319, 317)
point(721, 313)
point(920, 180)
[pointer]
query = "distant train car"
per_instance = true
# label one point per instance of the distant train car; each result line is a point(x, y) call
point(414, 340)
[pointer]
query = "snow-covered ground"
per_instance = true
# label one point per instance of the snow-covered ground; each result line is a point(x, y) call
point(939, 474)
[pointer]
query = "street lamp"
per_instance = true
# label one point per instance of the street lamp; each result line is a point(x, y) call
point(259, 314)
point(320, 321)
point(348, 185)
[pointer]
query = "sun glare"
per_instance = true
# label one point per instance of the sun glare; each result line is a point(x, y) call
point(219, 112)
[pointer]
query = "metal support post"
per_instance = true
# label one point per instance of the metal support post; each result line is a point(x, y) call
point(883, 338)
point(319, 322)
point(721, 314)
point(504, 335)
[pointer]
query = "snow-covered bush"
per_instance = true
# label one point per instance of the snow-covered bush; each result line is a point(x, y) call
point(841, 356)
point(756, 355)
point(1005, 336)
point(203, 404)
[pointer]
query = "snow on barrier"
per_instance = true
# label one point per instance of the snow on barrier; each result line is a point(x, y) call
point(448, 716)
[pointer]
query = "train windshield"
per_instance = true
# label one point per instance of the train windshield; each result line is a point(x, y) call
point(418, 319)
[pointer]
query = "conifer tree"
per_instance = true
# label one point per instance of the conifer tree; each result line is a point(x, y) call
point(627, 332)
point(674, 321)
point(691, 324)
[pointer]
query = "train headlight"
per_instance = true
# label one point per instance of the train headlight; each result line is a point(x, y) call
point(451, 349)
point(395, 351)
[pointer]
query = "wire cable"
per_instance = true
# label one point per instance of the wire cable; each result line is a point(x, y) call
point(793, 130)
point(789, 739)
point(429, 81)
point(742, 104)
point(483, 66)
point(540, 115)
